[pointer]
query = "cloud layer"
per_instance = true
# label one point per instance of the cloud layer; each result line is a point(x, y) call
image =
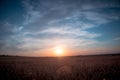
point(49, 23)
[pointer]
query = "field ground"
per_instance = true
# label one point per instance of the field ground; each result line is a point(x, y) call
point(105, 67)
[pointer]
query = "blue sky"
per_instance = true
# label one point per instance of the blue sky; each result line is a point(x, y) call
point(35, 28)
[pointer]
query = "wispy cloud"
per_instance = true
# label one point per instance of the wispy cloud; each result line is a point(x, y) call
point(116, 39)
point(48, 23)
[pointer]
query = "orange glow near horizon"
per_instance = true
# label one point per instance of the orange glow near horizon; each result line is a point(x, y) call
point(60, 51)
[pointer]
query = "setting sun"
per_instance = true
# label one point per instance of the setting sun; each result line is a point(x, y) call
point(59, 52)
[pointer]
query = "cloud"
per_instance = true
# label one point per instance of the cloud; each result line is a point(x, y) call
point(6, 29)
point(67, 31)
point(117, 39)
point(39, 14)
point(8, 37)
point(34, 44)
point(51, 22)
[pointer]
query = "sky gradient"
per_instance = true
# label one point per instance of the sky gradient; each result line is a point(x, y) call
point(80, 27)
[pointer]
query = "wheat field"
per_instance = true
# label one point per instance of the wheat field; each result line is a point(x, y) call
point(105, 67)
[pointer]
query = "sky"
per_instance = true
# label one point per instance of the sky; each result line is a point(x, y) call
point(79, 27)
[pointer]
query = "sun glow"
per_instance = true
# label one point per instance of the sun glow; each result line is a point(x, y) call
point(59, 51)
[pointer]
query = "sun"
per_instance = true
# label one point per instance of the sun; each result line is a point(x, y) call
point(59, 51)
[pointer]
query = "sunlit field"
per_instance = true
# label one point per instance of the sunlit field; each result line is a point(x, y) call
point(105, 67)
